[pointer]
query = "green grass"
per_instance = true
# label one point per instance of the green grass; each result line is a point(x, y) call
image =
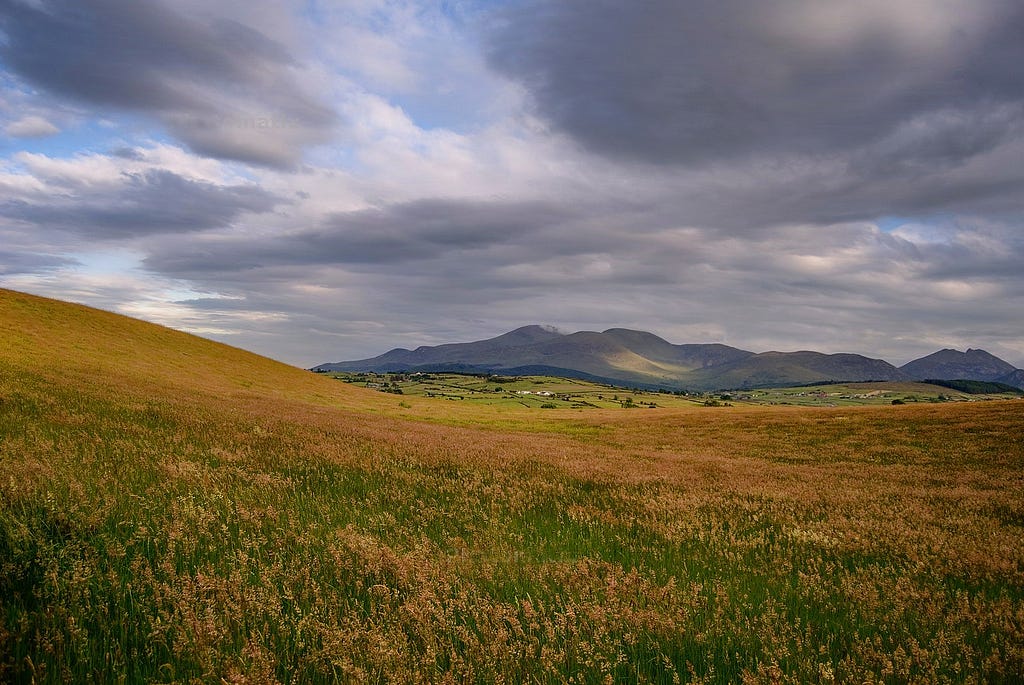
point(242, 521)
point(534, 392)
point(863, 394)
point(537, 392)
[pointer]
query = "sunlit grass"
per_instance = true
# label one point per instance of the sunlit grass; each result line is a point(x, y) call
point(232, 519)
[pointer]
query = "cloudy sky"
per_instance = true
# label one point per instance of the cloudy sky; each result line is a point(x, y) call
point(321, 180)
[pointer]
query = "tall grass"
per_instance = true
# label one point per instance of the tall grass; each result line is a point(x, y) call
point(288, 529)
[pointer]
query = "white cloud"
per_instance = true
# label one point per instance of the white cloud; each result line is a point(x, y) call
point(31, 126)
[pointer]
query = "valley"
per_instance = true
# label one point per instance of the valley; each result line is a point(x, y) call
point(552, 392)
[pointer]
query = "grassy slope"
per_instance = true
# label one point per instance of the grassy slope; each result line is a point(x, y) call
point(172, 509)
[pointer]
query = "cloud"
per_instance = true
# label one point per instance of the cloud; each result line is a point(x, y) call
point(31, 127)
point(390, 236)
point(27, 263)
point(140, 204)
point(712, 80)
point(440, 271)
point(224, 88)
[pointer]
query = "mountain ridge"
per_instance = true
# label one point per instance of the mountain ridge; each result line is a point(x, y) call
point(637, 358)
point(949, 364)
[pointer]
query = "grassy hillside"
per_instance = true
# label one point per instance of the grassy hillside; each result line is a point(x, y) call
point(174, 510)
point(977, 387)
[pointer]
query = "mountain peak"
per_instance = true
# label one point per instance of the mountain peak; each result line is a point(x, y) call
point(528, 334)
point(632, 333)
point(950, 364)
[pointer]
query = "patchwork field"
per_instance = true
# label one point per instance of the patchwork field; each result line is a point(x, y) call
point(174, 510)
point(546, 392)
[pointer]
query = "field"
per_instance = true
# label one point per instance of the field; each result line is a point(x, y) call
point(515, 392)
point(565, 393)
point(866, 394)
point(174, 510)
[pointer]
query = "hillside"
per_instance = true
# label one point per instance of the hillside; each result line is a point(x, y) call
point(976, 387)
point(779, 369)
point(458, 353)
point(176, 510)
point(73, 345)
point(1014, 378)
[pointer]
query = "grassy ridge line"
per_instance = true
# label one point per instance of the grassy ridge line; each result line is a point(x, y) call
point(95, 346)
point(271, 537)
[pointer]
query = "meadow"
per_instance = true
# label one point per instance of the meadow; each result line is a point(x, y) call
point(175, 510)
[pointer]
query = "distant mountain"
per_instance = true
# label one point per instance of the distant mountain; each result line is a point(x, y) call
point(1014, 378)
point(627, 357)
point(617, 355)
point(775, 369)
point(975, 365)
point(637, 358)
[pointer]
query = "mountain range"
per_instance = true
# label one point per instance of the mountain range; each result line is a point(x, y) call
point(620, 356)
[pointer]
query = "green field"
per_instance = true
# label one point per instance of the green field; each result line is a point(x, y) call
point(515, 391)
point(175, 510)
point(566, 393)
point(861, 394)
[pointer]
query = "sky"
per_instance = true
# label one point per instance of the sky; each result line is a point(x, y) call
point(320, 181)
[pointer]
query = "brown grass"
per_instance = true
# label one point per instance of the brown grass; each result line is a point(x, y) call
point(177, 510)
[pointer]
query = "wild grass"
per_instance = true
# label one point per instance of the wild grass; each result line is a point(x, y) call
point(233, 520)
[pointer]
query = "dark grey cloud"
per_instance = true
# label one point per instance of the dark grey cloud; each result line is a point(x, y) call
point(28, 262)
point(393, 235)
point(147, 203)
point(851, 188)
point(963, 250)
point(222, 87)
point(918, 84)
